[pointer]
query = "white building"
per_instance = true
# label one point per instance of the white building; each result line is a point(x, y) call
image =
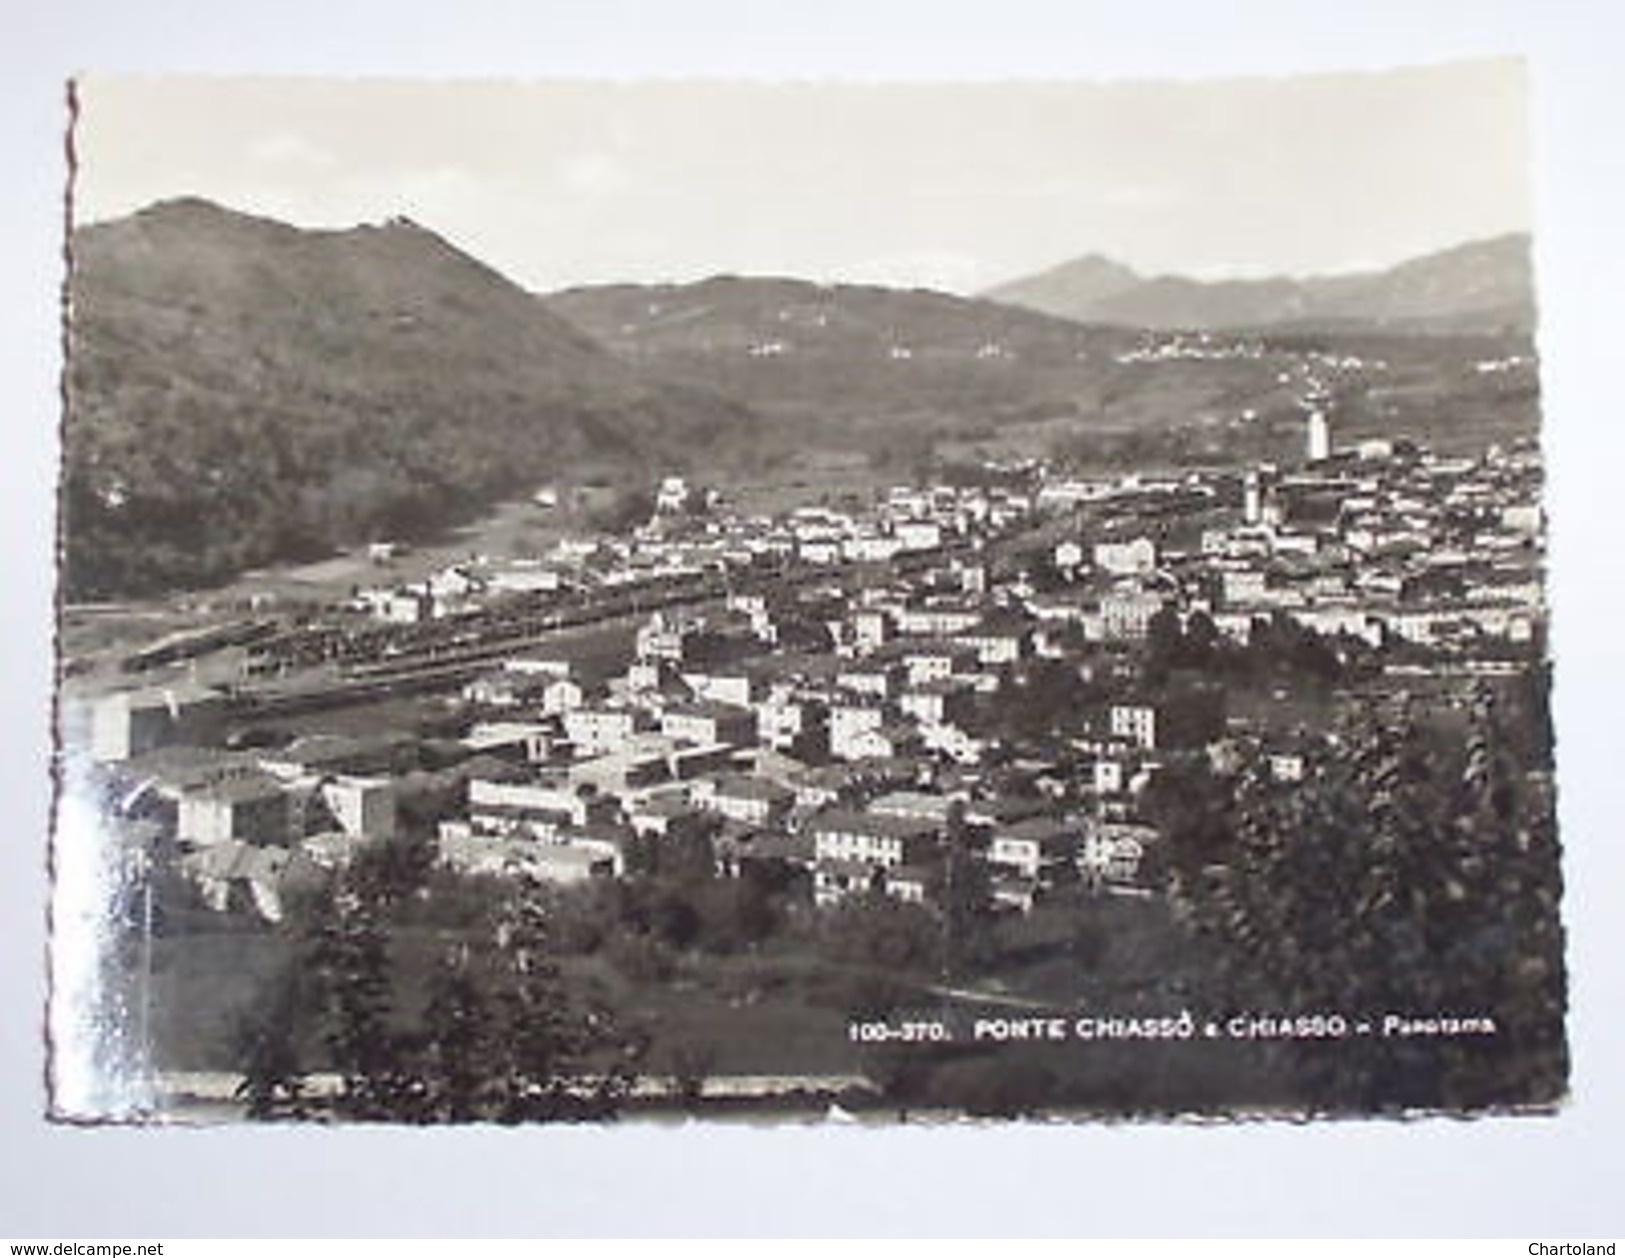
point(1318, 437)
point(129, 723)
point(871, 628)
point(673, 495)
point(1039, 848)
point(936, 703)
point(1127, 559)
point(599, 731)
point(1135, 722)
point(253, 809)
point(749, 800)
point(707, 724)
point(918, 534)
point(562, 695)
point(363, 807)
point(782, 719)
point(1113, 851)
point(1127, 614)
point(880, 841)
point(722, 687)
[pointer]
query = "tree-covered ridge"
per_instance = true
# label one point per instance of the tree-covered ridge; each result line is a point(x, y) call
point(902, 374)
point(241, 392)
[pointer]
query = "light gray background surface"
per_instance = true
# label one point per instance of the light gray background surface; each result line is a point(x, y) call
point(1550, 1178)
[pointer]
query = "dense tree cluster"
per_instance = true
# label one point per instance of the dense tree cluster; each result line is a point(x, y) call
point(497, 1033)
point(1414, 872)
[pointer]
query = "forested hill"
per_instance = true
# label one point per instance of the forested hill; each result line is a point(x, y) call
point(779, 343)
point(241, 392)
point(909, 376)
point(855, 367)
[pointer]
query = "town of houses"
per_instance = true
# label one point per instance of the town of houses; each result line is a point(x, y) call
point(833, 717)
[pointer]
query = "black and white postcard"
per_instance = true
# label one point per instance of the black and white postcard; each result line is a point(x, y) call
point(789, 601)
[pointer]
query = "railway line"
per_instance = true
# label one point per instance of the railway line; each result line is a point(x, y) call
point(475, 637)
point(313, 667)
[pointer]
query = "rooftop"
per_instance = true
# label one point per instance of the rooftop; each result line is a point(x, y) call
point(752, 788)
point(845, 821)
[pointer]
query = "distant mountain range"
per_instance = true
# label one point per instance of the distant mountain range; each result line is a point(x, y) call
point(241, 391)
point(1483, 287)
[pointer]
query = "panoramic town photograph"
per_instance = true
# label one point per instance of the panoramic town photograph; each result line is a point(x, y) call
point(798, 602)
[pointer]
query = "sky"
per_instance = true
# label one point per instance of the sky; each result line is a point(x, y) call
point(955, 187)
